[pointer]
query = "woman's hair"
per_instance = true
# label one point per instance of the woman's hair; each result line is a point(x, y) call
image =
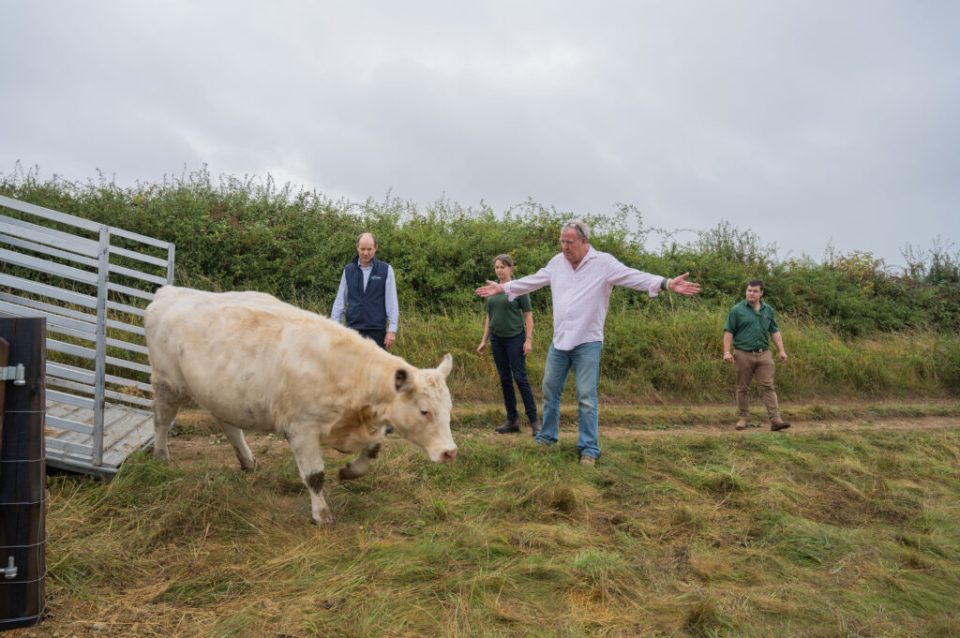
point(506, 260)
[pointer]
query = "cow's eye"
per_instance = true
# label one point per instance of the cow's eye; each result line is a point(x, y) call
point(425, 413)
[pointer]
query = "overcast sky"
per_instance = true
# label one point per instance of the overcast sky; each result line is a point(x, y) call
point(811, 123)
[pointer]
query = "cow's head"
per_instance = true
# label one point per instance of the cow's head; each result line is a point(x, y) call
point(421, 411)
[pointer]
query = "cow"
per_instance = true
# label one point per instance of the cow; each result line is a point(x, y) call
point(257, 363)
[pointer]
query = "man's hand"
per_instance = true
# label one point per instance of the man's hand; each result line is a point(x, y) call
point(728, 357)
point(389, 339)
point(783, 356)
point(492, 288)
point(681, 286)
point(483, 344)
point(527, 347)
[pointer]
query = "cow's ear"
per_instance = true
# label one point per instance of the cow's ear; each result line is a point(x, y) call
point(401, 380)
point(446, 365)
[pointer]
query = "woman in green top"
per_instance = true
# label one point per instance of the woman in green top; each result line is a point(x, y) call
point(509, 328)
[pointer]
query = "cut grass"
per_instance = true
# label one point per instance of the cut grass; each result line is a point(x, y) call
point(683, 533)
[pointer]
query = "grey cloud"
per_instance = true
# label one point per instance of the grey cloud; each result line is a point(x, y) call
point(809, 123)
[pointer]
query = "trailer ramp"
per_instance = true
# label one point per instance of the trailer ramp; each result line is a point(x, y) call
point(91, 282)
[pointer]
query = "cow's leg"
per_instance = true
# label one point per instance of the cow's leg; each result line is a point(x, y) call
point(166, 404)
point(307, 453)
point(240, 447)
point(359, 466)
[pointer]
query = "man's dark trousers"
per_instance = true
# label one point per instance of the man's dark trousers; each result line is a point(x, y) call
point(378, 336)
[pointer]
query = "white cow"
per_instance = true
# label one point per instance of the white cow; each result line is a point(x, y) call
point(257, 363)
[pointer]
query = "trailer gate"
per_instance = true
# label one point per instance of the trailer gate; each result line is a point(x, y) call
point(92, 283)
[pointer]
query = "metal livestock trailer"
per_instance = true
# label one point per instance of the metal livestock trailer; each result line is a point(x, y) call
point(91, 282)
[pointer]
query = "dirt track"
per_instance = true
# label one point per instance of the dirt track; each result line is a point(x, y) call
point(205, 433)
point(916, 424)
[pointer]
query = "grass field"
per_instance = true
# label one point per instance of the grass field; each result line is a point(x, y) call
point(846, 525)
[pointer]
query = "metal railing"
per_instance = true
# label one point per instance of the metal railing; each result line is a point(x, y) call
point(92, 283)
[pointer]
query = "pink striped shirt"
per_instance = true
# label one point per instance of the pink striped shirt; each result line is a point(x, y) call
point(581, 296)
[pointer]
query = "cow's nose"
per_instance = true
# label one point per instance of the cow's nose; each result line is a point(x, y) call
point(449, 455)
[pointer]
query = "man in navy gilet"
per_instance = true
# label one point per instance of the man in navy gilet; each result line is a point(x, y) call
point(368, 295)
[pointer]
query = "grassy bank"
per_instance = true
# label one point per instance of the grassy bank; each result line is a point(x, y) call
point(816, 534)
point(673, 355)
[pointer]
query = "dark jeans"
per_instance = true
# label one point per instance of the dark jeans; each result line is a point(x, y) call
point(512, 366)
point(378, 336)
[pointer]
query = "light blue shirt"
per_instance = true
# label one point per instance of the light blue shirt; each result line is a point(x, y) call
point(390, 297)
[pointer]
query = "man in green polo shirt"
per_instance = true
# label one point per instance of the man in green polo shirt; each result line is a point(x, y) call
point(750, 325)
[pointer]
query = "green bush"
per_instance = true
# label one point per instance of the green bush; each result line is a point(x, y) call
point(251, 233)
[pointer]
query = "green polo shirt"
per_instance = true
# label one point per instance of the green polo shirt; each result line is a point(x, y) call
point(506, 317)
point(751, 329)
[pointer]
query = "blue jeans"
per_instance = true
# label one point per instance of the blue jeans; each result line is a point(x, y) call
point(585, 361)
point(512, 366)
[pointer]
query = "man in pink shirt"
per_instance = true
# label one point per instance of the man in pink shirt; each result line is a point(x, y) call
point(581, 279)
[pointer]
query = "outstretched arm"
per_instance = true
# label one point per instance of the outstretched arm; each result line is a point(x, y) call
point(490, 289)
point(619, 274)
point(681, 286)
point(517, 287)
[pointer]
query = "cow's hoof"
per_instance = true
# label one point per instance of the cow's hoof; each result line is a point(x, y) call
point(347, 473)
point(324, 520)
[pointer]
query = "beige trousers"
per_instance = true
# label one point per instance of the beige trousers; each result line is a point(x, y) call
point(759, 364)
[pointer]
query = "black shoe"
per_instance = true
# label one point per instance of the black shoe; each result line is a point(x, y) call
point(534, 427)
point(510, 426)
point(776, 427)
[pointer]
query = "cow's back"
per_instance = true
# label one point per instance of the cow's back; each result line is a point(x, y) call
point(238, 354)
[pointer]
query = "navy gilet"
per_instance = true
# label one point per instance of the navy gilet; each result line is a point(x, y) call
point(367, 309)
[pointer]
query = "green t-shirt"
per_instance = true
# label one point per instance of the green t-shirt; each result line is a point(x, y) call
point(506, 317)
point(751, 329)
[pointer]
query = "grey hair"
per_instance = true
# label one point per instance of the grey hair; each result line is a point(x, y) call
point(580, 226)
